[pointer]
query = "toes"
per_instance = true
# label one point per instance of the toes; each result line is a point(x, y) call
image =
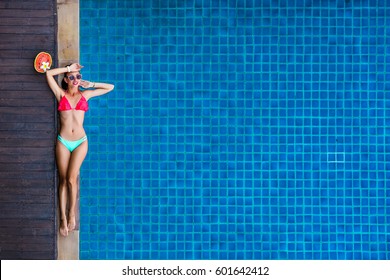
point(64, 231)
point(64, 228)
point(72, 224)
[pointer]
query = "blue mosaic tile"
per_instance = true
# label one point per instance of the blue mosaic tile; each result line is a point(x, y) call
point(237, 130)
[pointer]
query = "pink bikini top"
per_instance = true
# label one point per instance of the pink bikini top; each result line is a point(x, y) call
point(64, 104)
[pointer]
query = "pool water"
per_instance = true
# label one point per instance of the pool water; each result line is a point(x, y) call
point(248, 129)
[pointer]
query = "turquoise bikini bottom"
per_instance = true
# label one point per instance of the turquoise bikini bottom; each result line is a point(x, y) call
point(71, 145)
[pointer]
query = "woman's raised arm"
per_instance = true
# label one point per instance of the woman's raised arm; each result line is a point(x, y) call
point(99, 88)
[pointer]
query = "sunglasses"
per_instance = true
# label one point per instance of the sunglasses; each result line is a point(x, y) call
point(78, 77)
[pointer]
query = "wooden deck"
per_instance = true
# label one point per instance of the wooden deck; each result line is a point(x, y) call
point(28, 127)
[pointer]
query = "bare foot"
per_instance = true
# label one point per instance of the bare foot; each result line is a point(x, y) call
point(63, 228)
point(72, 222)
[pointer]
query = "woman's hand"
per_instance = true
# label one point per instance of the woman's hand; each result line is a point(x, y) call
point(86, 84)
point(75, 67)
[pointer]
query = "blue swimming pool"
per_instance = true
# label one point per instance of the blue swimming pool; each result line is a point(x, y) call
point(238, 129)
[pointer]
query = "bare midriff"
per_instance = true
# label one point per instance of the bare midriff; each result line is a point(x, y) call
point(72, 124)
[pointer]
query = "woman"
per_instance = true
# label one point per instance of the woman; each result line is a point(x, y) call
point(72, 143)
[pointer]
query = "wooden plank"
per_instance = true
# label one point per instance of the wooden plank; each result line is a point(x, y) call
point(25, 77)
point(38, 94)
point(19, 62)
point(26, 103)
point(26, 118)
point(30, 156)
point(39, 190)
point(33, 223)
point(40, 232)
point(26, 158)
point(25, 166)
point(24, 244)
point(27, 199)
point(21, 151)
point(33, 136)
point(23, 5)
point(23, 13)
point(40, 127)
point(23, 30)
point(11, 39)
point(25, 69)
point(23, 86)
point(11, 129)
point(27, 21)
point(36, 45)
point(29, 139)
point(17, 142)
point(26, 42)
point(19, 187)
point(28, 174)
point(26, 30)
point(30, 211)
point(21, 255)
point(19, 54)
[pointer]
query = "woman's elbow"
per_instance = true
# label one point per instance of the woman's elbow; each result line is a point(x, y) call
point(111, 87)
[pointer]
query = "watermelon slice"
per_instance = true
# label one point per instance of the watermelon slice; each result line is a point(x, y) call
point(42, 62)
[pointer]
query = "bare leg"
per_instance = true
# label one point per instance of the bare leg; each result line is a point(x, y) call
point(76, 159)
point(63, 156)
